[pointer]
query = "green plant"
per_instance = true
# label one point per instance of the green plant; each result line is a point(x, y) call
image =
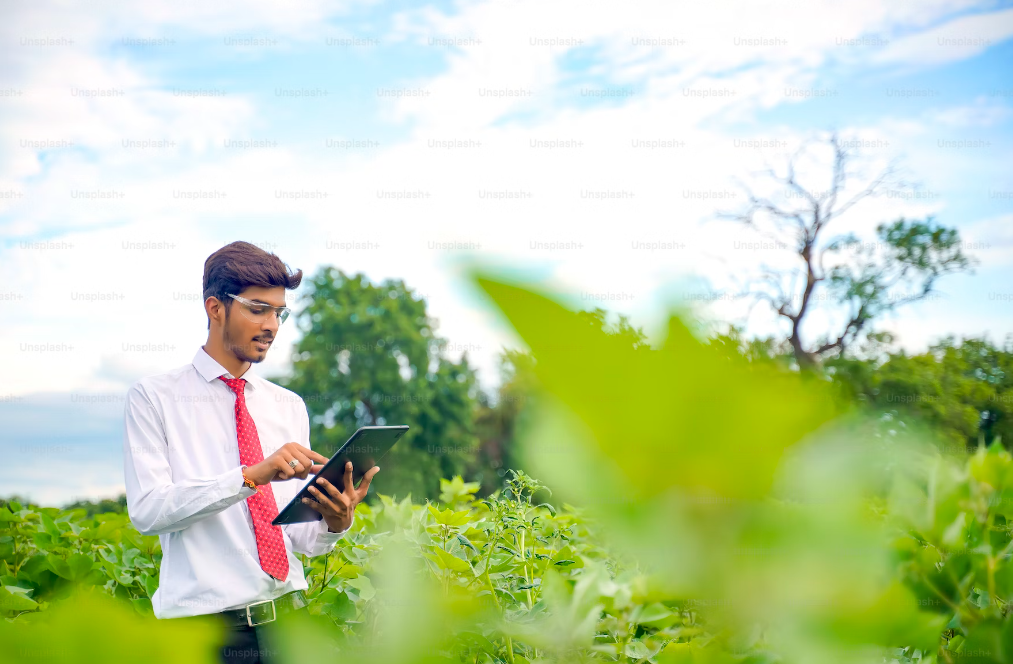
point(45, 552)
point(954, 548)
point(507, 552)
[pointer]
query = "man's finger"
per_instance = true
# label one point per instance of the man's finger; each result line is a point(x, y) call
point(316, 456)
point(302, 449)
point(286, 471)
point(333, 491)
point(366, 479)
point(313, 504)
point(324, 500)
point(349, 487)
point(305, 465)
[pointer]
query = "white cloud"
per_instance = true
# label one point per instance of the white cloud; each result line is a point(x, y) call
point(983, 113)
point(991, 239)
point(957, 39)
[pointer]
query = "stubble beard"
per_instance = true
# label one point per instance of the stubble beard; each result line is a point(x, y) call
point(239, 349)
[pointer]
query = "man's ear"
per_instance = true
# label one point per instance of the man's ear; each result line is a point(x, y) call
point(213, 307)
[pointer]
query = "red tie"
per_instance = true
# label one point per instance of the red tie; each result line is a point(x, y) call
point(263, 508)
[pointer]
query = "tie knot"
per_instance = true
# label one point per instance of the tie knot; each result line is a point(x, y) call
point(236, 384)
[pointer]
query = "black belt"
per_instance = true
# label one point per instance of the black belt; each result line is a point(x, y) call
point(265, 611)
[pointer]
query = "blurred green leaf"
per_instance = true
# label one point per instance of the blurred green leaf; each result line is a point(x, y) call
point(688, 381)
point(13, 600)
point(68, 633)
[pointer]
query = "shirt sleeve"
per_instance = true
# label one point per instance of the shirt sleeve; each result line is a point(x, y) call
point(155, 504)
point(311, 538)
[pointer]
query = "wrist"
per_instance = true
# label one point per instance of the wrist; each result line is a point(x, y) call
point(247, 479)
point(336, 527)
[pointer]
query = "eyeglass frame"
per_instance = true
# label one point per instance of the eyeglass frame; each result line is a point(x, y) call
point(281, 313)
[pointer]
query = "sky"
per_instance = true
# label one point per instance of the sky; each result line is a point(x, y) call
point(589, 147)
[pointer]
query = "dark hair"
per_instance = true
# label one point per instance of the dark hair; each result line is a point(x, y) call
point(239, 265)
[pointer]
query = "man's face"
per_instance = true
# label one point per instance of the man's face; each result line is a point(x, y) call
point(247, 340)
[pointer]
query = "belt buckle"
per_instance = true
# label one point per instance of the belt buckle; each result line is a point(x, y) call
point(249, 618)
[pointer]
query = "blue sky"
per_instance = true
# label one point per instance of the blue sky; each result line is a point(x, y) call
point(349, 100)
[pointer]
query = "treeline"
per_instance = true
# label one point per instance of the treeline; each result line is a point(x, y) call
point(370, 354)
point(962, 389)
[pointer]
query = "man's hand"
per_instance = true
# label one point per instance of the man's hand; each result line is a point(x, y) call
point(276, 468)
point(336, 506)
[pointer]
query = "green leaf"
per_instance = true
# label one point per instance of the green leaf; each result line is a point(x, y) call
point(349, 571)
point(773, 410)
point(511, 551)
point(480, 641)
point(355, 554)
point(636, 650)
point(452, 562)
point(552, 510)
point(435, 560)
point(130, 555)
point(97, 577)
point(466, 542)
point(74, 568)
point(13, 602)
point(653, 613)
point(43, 541)
point(364, 587)
point(49, 526)
point(341, 607)
point(987, 643)
point(109, 555)
point(142, 605)
point(122, 575)
point(149, 583)
point(79, 565)
point(59, 566)
point(677, 653)
point(449, 517)
point(501, 563)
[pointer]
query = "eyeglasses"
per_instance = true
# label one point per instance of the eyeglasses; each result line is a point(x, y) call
point(258, 312)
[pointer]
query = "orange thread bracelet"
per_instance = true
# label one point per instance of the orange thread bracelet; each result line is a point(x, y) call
point(247, 481)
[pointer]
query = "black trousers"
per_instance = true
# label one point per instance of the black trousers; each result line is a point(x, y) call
point(248, 645)
point(243, 647)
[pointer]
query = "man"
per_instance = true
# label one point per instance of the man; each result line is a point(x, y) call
point(209, 452)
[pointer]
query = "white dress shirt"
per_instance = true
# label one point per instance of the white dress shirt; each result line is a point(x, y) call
point(184, 483)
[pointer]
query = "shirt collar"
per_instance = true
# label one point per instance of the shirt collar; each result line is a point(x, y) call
point(210, 370)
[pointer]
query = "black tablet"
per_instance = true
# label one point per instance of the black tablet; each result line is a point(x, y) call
point(363, 449)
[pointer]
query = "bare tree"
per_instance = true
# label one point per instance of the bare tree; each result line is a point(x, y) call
point(861, 279)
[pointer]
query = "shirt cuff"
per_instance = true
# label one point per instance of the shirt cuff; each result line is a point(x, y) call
point(328, 537)
point(231, 484)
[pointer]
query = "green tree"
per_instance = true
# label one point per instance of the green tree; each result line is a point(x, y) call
point(856, 281)
point(91, 508)
point(733, 344)
point(497, 418)
point(369, 355)
point(964, 390)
